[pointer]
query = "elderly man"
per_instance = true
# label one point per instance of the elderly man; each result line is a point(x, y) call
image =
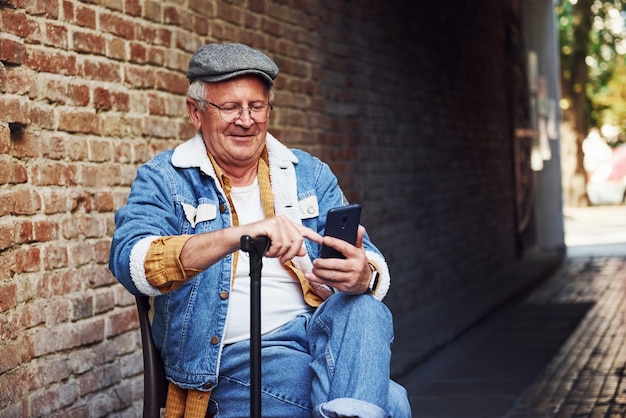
point(326, 334)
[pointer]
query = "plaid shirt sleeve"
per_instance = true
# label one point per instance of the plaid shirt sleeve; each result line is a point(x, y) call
point(162, 265)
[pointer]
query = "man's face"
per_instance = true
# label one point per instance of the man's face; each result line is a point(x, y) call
point(237, 144)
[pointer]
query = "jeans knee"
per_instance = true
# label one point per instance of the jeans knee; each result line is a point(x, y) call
point(365, 306)
point(357, 310)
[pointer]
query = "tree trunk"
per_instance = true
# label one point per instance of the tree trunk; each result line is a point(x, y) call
point(574, 77)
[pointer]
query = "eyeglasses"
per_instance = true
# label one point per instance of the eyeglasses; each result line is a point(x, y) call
point(230, 112)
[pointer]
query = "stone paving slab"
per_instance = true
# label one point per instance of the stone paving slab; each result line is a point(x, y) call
point(560, 352)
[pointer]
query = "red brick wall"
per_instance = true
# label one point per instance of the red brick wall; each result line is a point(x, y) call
point(406, 101)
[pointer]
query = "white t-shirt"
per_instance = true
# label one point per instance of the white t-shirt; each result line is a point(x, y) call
point(281, 294)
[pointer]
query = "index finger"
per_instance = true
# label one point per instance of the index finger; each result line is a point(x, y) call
point(311, 235)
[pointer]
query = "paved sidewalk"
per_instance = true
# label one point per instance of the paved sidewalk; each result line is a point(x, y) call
point(558, 352)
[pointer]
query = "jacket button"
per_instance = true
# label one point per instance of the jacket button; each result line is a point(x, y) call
point(224, 295)
point(222, 208)
point(215, 340)
point(208, 385)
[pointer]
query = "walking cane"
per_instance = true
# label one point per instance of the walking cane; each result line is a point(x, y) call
point(255, 247)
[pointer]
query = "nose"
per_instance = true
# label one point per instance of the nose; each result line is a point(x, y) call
point(245, 117)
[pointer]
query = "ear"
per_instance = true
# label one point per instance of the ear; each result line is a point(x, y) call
point(194, 112)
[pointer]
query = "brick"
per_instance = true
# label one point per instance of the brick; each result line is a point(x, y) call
point(60, 282)
point(106, 99)
point(25, 202)
point(121, 126)
point(55, 90)
point(185, 42)
point(52, 147)
point(117, 5)
point(100, 151)
point(14, 109)
point(14, 22)
point(27, 260)
point(56, 35)
point(27, 145)
point(87, 226)
point(30, 315)
point(89, 42)
point(11, 171)
point(229, 13)
point(11, 353)
point(58, 314)
point(156, 104)
point(40, 116)
point(67, 7)
point(53, 201)
point(53, 173)
point(7, 265)
point(160, 127)
point(78, 94)
point(122, 320)
point(104, 300)
point(19, 80)
point(138, 53)
point(7, 236)
point(79, 121)
point(204, 8)
point(55, 257)
point(85, 17)
point(117, 25)
point(152, 35)
point(156, 56)
point(43, 7)
point(171, 82)
point(14, 384)
point(76, 149)
point(139, 77)
point(11, 52)
point(116, 49)
point(24, 232)
point(50, 61)
point(103, 202)
point(152, 11)
point(133, 7)
point(57, 397)
point(8, 297)
point(45, 230)
point(100, 175)
point(99, 276)
point(82, 307)
point(123, 153)
point(101, 70)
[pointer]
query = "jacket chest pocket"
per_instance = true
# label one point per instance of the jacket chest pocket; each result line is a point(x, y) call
point(201, 213)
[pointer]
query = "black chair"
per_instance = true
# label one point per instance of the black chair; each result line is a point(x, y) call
point(155, 384)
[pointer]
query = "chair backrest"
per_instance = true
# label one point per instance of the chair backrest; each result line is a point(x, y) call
point(154, 381)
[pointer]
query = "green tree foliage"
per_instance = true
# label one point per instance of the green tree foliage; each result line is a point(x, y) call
point(602, 22)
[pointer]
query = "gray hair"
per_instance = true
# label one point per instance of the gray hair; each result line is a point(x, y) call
point(197, 92)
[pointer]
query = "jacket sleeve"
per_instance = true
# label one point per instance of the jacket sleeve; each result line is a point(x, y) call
point(149, 214)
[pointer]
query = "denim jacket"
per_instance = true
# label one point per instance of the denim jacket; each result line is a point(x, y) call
point(177, 193)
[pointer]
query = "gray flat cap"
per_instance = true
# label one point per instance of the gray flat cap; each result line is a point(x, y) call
point(219, 62)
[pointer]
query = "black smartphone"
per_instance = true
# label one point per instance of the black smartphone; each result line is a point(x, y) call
point(342, 223)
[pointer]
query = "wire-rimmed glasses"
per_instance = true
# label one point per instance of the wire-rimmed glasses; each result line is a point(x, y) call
point(230, 112)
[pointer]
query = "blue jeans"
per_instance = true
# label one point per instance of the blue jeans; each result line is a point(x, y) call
point(342, 350)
